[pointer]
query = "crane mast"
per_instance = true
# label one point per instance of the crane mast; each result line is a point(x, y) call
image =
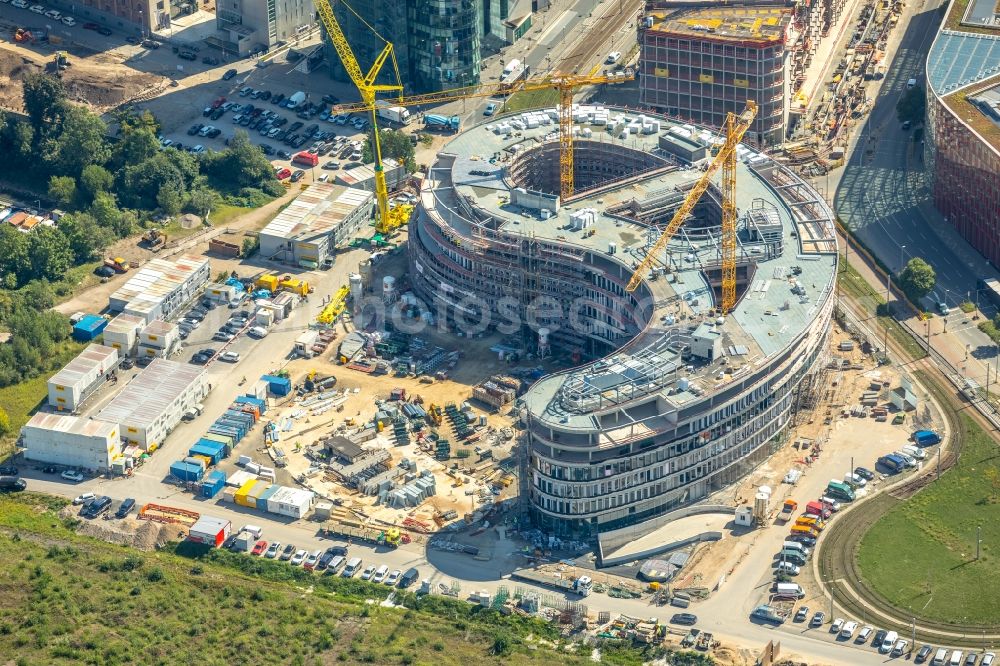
point(725, 159)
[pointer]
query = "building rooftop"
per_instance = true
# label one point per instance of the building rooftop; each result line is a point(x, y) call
point(73, 425)
point(144, 399)
point(964, 63)
point(318, 210)
point(779, 302)
point(124, 323)
point(156, 280)
point(754, 24)
point(158, 327)
point(92, 357)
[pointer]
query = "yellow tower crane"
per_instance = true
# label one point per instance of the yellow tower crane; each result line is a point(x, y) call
point(565, 84)
point(736, 127)
point(367, 88)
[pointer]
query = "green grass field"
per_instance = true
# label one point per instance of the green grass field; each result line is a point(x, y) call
point(532, 99)
point(921, 555)
point(70, 599)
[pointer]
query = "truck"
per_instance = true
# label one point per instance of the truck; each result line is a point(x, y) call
point(295, 99)
point(117, 263)
point(581, 586)
point(394, 114)
point(154, 239)
point(513, 72)
point(840, 490)
point(433, 121)
point(787, 509)
point(893, 463)
point(306, 158)
point(817, 509)
point(768, 614)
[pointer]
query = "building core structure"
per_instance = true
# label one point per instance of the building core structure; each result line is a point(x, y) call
point(669, 400)
point(963, 123)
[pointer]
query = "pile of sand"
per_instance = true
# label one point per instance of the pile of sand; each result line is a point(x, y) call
point(141, 534)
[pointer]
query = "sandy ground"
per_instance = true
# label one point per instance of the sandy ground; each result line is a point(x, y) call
point(95, 81)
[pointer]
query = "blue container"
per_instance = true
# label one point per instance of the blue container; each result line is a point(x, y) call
point(219, 449)
point(211, 452)
point(223, 429)
point(213, 484)
point(239, 427)
point(187, 472)
point(89, 328)
point(251, 400)
point(279, 386)
point(262, 500)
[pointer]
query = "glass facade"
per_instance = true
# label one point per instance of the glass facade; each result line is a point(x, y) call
point(966, 177)
point(700, 80)
point(437, 42)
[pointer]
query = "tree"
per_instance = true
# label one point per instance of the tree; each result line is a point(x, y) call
point(106, 213)
point(81, 140)
point(48, 253)
point(95, 179)
point(169, 200)
point(4, 422)
point(203, 200)
point(136, 145)
point(912, 105)
point(62, 189)
point(14, 250)
point(917, 279)
point(993, 476)
point(395, 144)
point(241, 164)
point(85, 236)
point(43, 97)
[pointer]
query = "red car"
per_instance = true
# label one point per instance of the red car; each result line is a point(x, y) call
point(284, 173)
point(260, 547)
point(219, 102)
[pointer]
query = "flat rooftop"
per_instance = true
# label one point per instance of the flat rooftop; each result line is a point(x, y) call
point(964, 64)
point(147, 396)
point(94, 356)
point(755, 24)
point(156, 280)
point(320, 209)
point(73, 425)
point(779, 302)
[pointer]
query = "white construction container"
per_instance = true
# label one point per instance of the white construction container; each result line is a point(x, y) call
point(71, 441)
point(159, 334)
point(80, 377)
point(122, 333)
point(291, 502)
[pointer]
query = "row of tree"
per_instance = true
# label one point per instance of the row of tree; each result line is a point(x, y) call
point(35, 330)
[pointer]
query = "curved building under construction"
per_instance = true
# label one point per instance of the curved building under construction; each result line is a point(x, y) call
point(669, 400)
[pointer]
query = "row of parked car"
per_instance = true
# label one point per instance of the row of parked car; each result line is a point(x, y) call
point(332, 561)
point(93, 505)
point(53, 14)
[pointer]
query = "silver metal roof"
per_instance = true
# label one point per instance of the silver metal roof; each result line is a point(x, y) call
point(145, 398)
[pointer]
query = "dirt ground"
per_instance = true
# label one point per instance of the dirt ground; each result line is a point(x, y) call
point(142, 534)
point(98, 81)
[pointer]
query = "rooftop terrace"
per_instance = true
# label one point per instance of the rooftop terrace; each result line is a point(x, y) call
point(760, 24)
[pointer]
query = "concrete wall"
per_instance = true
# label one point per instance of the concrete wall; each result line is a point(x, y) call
point(618, 538)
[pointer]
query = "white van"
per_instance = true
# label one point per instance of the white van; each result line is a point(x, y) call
point(914, 452)
point(795, 545)
point(353, 566)
point(939, 657)
point(793, 590)
point(911, 84)
point(613, 57)
point(254, 530)
point(888, 642)
point(956, 658)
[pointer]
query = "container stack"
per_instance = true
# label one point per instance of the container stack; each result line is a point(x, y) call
point(188, 472)
point(213, 484)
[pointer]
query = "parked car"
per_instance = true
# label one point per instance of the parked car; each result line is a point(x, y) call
point(409, 577)
point(299, 557)
point(260, 547)
point(368, 572)
point(312, 559)
point(229, 357)
point(83, 499)
point(8, 470)
point(787, 568)
point(230, 73)
point(864, 473)
point(837, 624)
point(817, 619)
point(257, 332)
point(298, 175)
point(125, 508)
point(801, 614)
point(273, 550)
point(988, 659)
point(900, 647)
point(72, 475)
point(864, 634)
point(685, 619)
point(287, 553)
point(847, 631)
point(393, 577)
point(380, 574)
point(491, 108)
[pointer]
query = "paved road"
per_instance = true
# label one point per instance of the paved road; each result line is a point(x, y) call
point(884, 195)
